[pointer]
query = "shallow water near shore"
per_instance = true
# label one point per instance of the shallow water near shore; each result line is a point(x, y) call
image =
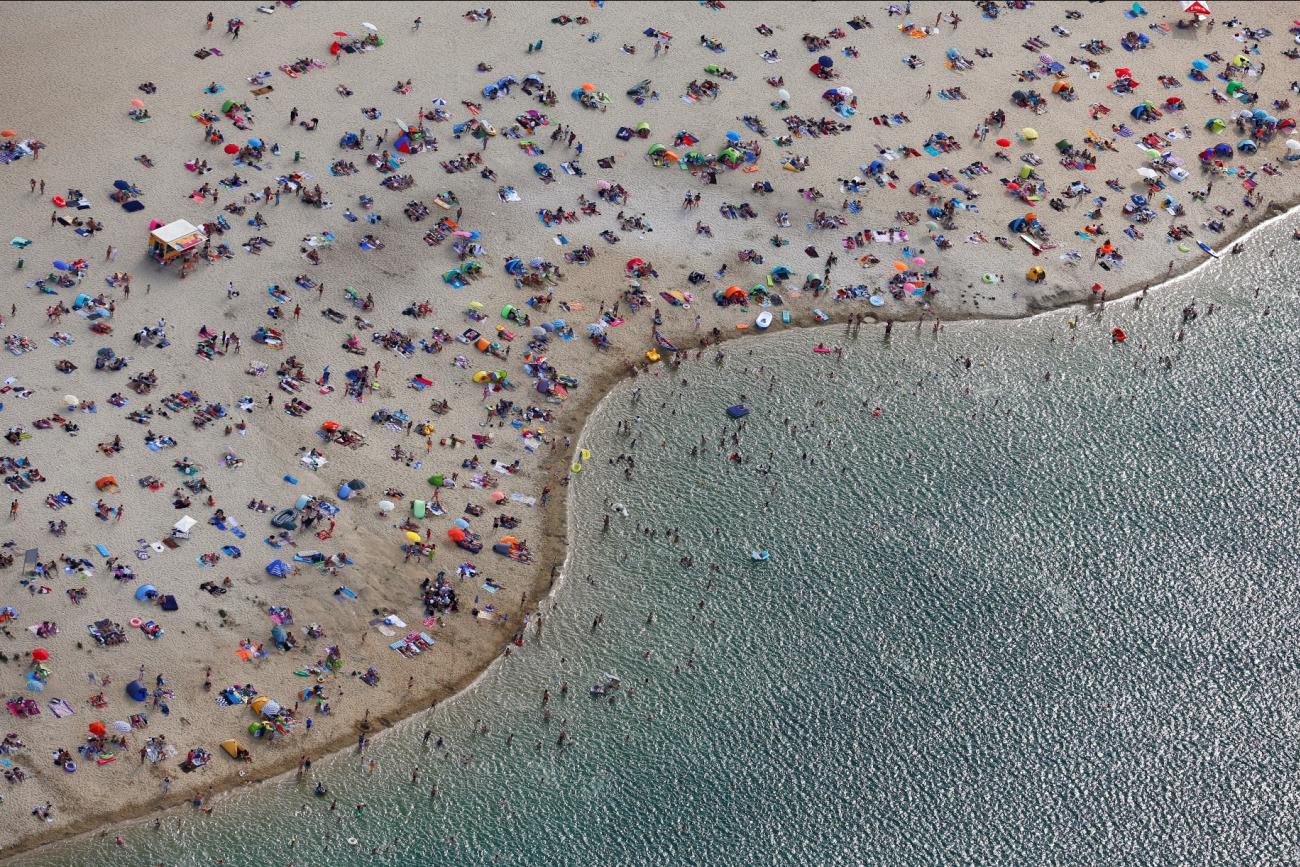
point(1010, 619)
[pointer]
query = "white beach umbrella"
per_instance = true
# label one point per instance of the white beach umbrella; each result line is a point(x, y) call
point(121, 727)
point(71, 400)
point(1292, 145)
point(1149, 174)
point(372, 28)
point(271, 708)
point(386, 506)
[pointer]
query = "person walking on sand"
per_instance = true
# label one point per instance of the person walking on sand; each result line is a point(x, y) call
point(416, 25)
point(13, 510)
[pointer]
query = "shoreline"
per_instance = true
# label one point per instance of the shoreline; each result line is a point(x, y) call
point(557, 551)
point(91, 141)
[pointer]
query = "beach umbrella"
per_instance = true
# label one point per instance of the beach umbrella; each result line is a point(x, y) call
point(1148, 173)
point(412, 536)
point(461, 523)
point(121, 185)
point(918, 260)
point(386, 506)
point(476, 305)
point(271, 708)
point(1003, 142)
point(60, 265)
point(339, 33)
point(1200, 65)
point(372, 28)
point(1292, 145)
point(7, 133)
point(231, 148)
point(1029, 133)
point(137, 103)
point(588, 87)
point(733, 136)
point(825, 62)
point(908, 287)
point(357, 485)
point(783, 93)
point(498, 496)
point(71, 400)
point(456, 534)
point(40, 654)
point(97, 728)
point(900, 266)
point(122, 727)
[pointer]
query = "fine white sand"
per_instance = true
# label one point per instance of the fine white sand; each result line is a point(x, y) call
point(72, 71)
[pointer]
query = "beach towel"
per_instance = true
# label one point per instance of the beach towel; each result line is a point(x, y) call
point(61, 708)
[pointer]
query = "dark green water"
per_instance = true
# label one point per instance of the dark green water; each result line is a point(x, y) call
point(1009, 620)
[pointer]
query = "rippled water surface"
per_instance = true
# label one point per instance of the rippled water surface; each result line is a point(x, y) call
point(1010, 619)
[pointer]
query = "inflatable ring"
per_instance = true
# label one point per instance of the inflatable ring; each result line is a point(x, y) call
point(70, 767)
point(135, 622)
point(575, 468)
point(352, 841)
point(59, 201)
point(988, 278)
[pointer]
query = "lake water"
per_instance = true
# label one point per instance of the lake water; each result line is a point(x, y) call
point(1010, 619)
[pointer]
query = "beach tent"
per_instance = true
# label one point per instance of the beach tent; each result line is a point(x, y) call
point(174, 239)
point(277, 569)
point(1247, 146)
point(137, 691)
point(185, 524)
point(145, 591)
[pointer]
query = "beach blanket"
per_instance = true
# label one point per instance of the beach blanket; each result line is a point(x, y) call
point(61, 708)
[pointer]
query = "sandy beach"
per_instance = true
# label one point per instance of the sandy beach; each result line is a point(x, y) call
point(298, 345)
